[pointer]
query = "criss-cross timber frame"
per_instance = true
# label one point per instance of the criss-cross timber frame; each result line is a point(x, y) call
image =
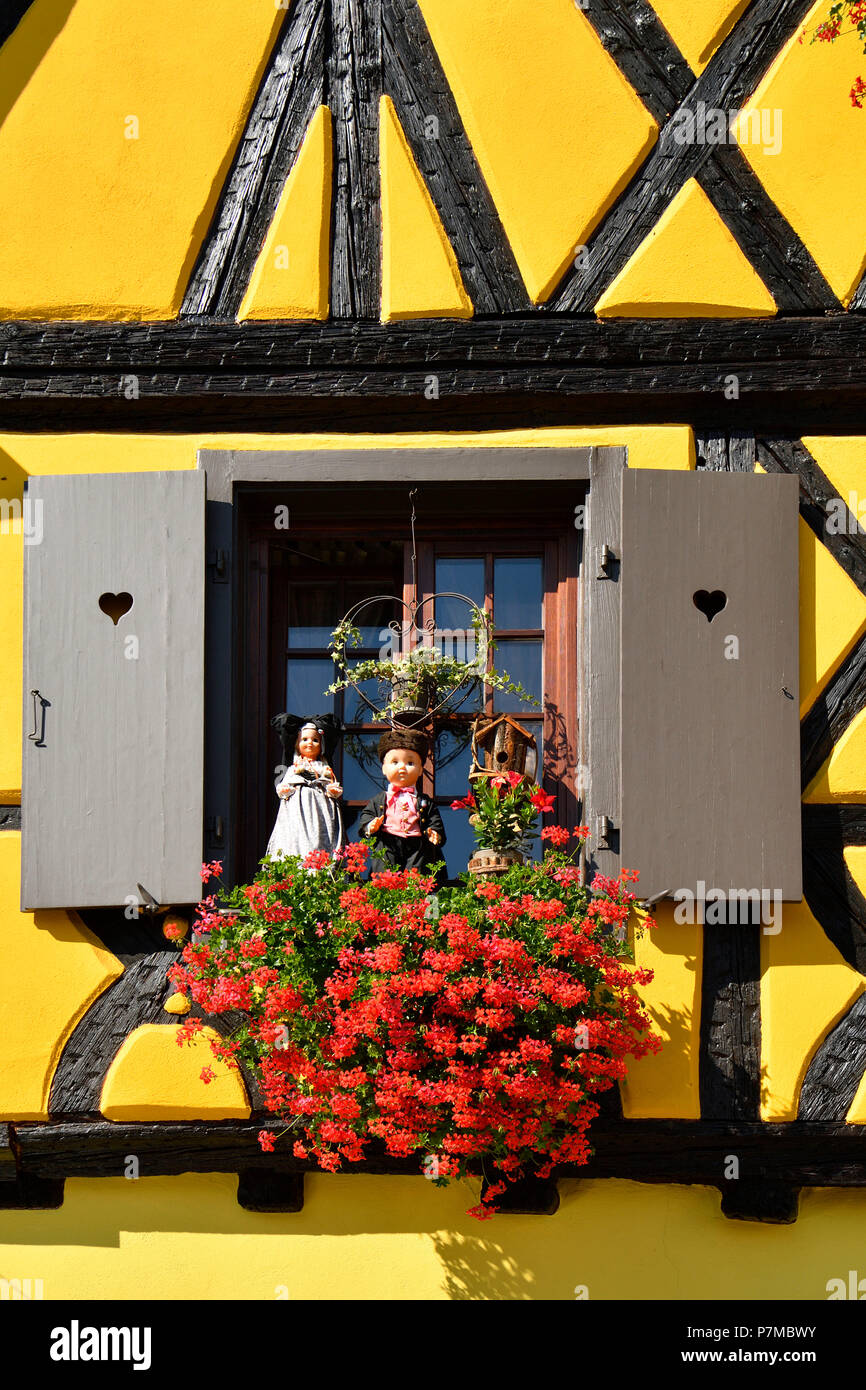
point(513, 364)
point(348, 54)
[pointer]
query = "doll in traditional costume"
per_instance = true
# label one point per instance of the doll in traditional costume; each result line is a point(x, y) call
point(404, 826)
point(309, 814)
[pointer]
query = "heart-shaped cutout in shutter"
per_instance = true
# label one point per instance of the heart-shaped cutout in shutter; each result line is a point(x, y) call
point(710, 604)
point(115, 605)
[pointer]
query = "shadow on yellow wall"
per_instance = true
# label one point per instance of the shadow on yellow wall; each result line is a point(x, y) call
point(33, 38)
point(376, 1238)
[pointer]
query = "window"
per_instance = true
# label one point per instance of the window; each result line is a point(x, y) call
point(514, 553)
point(686, 721)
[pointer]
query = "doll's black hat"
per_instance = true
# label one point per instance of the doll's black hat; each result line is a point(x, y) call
point(412, 739)
point(288, 726)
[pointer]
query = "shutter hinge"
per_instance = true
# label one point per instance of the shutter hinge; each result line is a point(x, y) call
point(218, 561)
point(215, 828)
point(607, 563)
point(604, 829)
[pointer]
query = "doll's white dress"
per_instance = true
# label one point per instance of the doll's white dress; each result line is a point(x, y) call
point(308, 819)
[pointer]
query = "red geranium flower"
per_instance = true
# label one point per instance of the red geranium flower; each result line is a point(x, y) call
point(556, 835)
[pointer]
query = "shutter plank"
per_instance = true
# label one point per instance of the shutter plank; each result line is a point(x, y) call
point(710, 754)
point(113, 797)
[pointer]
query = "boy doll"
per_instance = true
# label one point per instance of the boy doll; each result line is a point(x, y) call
point(404, 824)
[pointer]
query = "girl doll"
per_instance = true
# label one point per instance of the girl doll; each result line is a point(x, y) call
point(309, 815)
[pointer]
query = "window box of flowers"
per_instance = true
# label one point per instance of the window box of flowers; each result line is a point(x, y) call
point(471, 1030)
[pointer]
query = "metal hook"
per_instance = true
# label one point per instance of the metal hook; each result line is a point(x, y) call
point(38, 735)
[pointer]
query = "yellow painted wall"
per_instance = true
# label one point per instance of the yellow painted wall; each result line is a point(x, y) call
point(120, 125)
point(366, 1238)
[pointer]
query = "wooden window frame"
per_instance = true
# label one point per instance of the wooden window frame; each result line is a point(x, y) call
point(237, 591)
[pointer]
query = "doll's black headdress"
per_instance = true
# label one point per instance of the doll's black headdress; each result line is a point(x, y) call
point(288, 726)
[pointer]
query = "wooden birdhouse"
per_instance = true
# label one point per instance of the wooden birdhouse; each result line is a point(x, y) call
point(500, 744)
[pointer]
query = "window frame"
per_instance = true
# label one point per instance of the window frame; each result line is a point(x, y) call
point(234, 589)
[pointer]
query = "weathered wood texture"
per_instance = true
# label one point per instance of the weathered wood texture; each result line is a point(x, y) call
point(693, 354)
point(354, 87)
point(845, 694)
point(722, 452)
point(417, 85)
point(644, 52)
point(122, 723)
point(764, 234)
point(730, 1036)
point(10, 817)
point(727, 81)
point(848, 547)
point(713, 739)
point(134, 999)
point(806, 1154)
point(838, 703)
point(836, 1070)
point(835, 901)
point(290, 91)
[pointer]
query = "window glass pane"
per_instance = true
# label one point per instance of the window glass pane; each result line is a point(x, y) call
point(312, 614)
point(517, 590)
point(460, 576)
point(453, 761)
point(355, 711)
point(306, 683)
point(522, 662)
point(362, 770)
point(460, 840)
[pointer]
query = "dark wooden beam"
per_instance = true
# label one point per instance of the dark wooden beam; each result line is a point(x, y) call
point(730, 1034)
point(837, 824)
point(135, 998)
point(721, 452)
point(847, 547)
point(354, 87)
point(725, 84)
point(643, 50)
point(835, 900)
point(416, 83)
point(835, 707)
point(836, 1070)
point(663, 1151)
point(764, 234)
point(692, 352)
point(291, 90)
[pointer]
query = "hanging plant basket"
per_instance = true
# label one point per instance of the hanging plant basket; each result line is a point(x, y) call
point(423, 672)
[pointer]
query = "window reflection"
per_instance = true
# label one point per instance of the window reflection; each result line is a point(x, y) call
point(306, 684)
point(522, 661)
point(517, 591)
point(460, 576)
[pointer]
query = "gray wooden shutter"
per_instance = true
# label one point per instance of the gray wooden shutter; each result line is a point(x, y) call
point(112, 784)
point(710, 755)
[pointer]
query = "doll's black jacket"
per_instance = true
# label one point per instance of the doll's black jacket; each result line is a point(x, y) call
point(428, 815)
